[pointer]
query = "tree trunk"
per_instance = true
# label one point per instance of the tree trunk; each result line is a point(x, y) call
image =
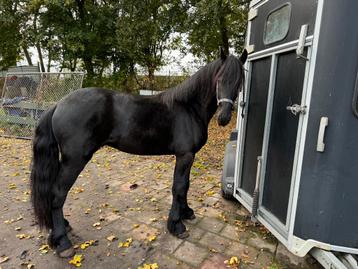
point(49, 62)
point(27, 55)
point(42, 66)
point(223, 28)
point(151, 77)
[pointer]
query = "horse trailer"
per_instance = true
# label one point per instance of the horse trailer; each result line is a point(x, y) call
point(293, 163)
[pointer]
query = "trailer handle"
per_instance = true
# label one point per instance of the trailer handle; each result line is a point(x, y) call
point(301, 42)
point(322, 130)
point(255, 196)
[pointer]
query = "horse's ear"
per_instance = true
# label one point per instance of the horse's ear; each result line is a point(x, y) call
point(243, 56)
point(222, 54)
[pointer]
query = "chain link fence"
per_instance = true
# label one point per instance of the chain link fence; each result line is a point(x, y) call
point(26, 96)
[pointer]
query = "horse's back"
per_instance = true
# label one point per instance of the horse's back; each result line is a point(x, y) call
point(84, 118)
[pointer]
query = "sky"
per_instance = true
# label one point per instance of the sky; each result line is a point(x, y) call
point(175, 67)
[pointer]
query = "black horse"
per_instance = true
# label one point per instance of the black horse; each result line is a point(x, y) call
point(173, 122)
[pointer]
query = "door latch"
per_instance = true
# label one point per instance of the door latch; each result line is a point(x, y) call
point(297, 109)
point(301, 42)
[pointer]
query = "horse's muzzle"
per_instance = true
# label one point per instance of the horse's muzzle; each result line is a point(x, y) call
point(224, 116)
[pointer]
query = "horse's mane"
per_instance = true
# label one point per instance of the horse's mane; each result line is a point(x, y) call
point(203, 81)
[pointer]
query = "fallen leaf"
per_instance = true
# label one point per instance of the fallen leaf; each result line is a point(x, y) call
point(153, 219)
point(149, 266)
point(44, 249)
point(87, 244)
point(111, 238)
point(125, 244)
point(233, 262)
point(210, 193)
point(76, 260)
point(12, 186)
point(96, 224)
point(4, 259)
point(23, 236)
point(136, 226)
point(152, 238)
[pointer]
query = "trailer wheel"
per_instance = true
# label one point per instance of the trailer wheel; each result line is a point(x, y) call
point(227, 196)
point(227, 178)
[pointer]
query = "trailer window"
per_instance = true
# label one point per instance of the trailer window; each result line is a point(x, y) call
point(355, 98)
point(277, 24)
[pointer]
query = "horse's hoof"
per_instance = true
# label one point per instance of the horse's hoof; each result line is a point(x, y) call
point(67, 253)
point(183, 235)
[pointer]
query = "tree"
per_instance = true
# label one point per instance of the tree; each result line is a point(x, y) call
point(216, 23)
point(10, 37)
point(144, 30)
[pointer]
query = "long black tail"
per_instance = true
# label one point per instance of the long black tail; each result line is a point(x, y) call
point(44, 170)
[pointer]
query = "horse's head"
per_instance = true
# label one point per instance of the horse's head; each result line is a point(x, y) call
point(228, 84)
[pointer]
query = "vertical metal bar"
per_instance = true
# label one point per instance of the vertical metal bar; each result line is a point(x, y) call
point(270, 99)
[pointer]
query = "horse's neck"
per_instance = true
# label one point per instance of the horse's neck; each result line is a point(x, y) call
point(206, 103)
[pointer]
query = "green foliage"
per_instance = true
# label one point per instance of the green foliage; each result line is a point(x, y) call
point(216, 23)
point(144, 29)
point(111, 39)
point(10, 37)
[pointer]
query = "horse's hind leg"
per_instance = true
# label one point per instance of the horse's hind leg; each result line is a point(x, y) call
point(180, 208)
point(69, 171)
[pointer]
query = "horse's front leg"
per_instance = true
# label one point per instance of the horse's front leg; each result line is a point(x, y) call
point(180, 208)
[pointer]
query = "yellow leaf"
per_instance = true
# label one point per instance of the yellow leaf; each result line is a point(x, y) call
point(234, 261)
point(149, 266)
point(12, 186)
point(96, 224)
point(210, 193)
point(44, 249)
point(135, 226)
point(23, 236)
point(76, 260)
point(87, 244)
point(125, 244)
point(152, 238)
point(153, 219)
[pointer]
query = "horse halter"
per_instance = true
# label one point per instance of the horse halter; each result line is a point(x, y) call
point(222, 100)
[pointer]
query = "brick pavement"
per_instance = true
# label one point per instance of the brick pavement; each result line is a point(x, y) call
point(106, 206)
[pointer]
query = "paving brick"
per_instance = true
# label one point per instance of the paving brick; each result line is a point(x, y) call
point(195, 234)
point(262, 244)
point(143, 232)
point(289, 260)
point(190, 253)
point(210, 212)
point(246, 253)
point(213, 241)
point(166, 262)
point(265, 259)
point(215, 261)
point(229, 231)
point(211, 224)
point(207, 231)
point(168, 243)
